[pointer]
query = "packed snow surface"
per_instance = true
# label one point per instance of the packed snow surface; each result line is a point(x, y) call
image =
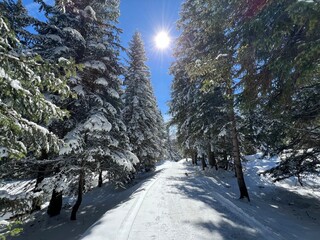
point(181, 202)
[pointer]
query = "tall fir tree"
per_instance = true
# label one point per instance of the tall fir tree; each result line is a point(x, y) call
point(94, 134)
point(268, 74)
point(26, 81)
point(280, 69)
point(144, 122)
point(207, 53)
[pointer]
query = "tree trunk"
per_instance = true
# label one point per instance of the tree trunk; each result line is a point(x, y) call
point(196, 158)
point(100, 179)
point(55, 203)
point(79, 199)
point(212, 160)
point(203, 162)
point(193, 158)
point(36, 202)
point(40, 176)
point(236, 151)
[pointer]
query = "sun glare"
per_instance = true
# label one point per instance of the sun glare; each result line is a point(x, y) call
point(162, 40)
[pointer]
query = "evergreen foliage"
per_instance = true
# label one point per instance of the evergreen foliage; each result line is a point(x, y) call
point(27, 84)
point(95, 142)
point(264, 57)
point(94, 134)
point(204, 53)
point(280, 65)
point(25, 110)
point(144, 122)
point(19, 20)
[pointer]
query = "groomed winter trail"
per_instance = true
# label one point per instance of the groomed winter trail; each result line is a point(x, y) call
point(177, 203)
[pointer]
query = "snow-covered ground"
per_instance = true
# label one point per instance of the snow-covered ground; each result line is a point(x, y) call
point(182, 202)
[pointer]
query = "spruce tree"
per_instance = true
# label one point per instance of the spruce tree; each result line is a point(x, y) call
point(208, 52)
point(25, 109)
point(95, 136)
point(141, 115)
point(280, 66)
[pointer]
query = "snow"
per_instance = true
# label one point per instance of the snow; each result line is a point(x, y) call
point(102, 81)
point(113, 93)
point(180, 201)
point(54, 37)
point(183, 203)
point(4, 25)
point(89, 12)
point(133, 158)
point(97, 122)
point(3, 152)
point(75, 34)
point(110, 108)
point(98, 47)
point(15, 84)
point(97, 65)
point(63, 60)
point(221, 55)
point(4, 222)
point(2, 73)
point(61, 50)
point(79, 90)
point(72, 143)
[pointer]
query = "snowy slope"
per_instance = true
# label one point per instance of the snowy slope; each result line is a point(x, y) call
point(181, 202)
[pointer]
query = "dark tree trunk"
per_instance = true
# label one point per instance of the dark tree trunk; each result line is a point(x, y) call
point(193, 158)
point(55, 203)
point(79, 199)
point(203, 162)
point(100, 179)
point(40, 176)
point(236, 151)
point(212, 160)
point(196, 158)
point(36, 202)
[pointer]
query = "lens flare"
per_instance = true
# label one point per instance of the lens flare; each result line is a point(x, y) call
point(162, 40)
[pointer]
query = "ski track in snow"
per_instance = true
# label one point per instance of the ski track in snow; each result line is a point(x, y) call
point(176, 206)
point(181, 202)
point(128, 221)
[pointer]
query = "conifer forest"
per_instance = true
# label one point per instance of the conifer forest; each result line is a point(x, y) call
point(82, 134)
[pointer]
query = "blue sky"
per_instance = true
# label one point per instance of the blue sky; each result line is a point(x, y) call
point(148, 17)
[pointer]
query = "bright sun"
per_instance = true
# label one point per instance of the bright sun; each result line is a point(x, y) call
point(162, 40)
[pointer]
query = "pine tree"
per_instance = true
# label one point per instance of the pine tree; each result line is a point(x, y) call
point(283, 83)
point(141, 115)
point(207, 50)
point(95, 138)
point(96, 135)
point(273, 70)
point(26, 81)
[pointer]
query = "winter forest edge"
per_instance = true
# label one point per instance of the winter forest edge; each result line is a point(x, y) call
point(73, 117)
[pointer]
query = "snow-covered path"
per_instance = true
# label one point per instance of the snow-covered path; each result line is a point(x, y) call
point(176, 205)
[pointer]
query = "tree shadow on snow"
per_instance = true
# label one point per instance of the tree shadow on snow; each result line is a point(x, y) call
point(94, 205)
point(273, 206)
point(224, 223)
